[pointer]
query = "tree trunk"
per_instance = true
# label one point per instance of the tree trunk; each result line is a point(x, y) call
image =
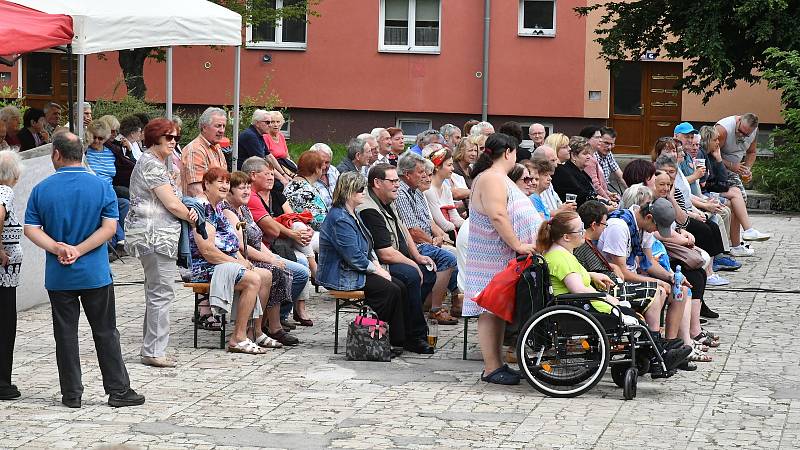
point(132, 64)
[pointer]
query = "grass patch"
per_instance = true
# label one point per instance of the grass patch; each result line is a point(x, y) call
point(296, 148)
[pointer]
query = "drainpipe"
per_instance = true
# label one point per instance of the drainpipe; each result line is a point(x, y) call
point(487, 6)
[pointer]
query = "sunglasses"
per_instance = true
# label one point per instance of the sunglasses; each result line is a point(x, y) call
point(172, 137)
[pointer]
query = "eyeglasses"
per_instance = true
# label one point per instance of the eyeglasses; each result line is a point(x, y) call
point(527, 180)
point(602, 223)
point(392, 180)
point(172, 137)
point(608, 144)
point(581, 232)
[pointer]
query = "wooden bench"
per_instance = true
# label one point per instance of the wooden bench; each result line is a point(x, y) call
point(350, 301)
point(201, 294)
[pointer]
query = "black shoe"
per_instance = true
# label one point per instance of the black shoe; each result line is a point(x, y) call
point(73, 402)
point(9, 392)
point(674, 358)
point(419, 346)
point(656, 372)
point(673, 344)
point(284, 338)
point(687, 366)
point(705, 311)
point(127, 398)
point(287, 326)
point(703, 321)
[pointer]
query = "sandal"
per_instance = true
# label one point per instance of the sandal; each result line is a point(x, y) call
point(246, 346)
point(698, 356)
point(699, 346)
point(265, 341)
point(707, 338)
point(713, 336)
point(209, 322)
point(501, 376)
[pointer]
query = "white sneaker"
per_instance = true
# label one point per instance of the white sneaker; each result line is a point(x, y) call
point(716, 280)
point(754, 235)
point(741, 251)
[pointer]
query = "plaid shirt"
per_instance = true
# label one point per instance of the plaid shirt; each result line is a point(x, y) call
point(413, 208)
point(197, 157)
point(608, 164)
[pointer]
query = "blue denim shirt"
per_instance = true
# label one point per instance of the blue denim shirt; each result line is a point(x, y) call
point(345, 252)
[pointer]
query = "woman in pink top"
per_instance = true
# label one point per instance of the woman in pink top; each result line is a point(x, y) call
point(276, 146)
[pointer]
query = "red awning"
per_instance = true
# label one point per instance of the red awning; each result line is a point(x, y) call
point(26, 30)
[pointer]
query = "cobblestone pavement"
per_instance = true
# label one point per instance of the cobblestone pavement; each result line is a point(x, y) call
point(307, 397)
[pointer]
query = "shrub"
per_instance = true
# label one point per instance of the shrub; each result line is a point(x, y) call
point(780, 175)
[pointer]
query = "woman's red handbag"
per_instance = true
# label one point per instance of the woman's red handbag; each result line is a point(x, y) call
point(499, 296)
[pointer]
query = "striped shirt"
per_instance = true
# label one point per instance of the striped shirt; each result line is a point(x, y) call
point(608, 164)
point(102, 163)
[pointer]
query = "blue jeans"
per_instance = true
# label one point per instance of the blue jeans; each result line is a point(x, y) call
point(444, 260)
point(416, 327)
point(300, 276)
point(123, 205)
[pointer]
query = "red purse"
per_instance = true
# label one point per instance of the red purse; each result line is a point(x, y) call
point(499, 296)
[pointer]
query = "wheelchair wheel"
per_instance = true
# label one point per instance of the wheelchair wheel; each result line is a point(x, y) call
point(618, 374)
point(563, 351)
point(629, 389)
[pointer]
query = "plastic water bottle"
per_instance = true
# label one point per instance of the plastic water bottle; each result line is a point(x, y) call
point(677, 293)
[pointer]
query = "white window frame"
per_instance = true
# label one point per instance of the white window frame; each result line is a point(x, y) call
point(278, 44)
point(410, 48)
point(535, 32)
point(410, 139)
point(527, 142)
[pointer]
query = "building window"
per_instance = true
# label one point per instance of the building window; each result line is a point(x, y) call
point(537, 18)
point(284, 34)
point(412, 127)
point(409, 26)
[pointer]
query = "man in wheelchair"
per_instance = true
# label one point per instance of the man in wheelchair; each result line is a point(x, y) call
point(558, 239)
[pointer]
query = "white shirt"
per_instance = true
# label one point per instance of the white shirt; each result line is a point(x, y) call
point(616, 239)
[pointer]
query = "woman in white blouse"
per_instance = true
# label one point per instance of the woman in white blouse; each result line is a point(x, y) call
point(440, 196)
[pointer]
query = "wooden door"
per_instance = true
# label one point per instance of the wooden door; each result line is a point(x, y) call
point(645, 104)
point(45, 79)
point(663, 104)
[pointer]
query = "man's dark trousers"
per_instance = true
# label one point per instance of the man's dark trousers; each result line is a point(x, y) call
point(99, 307)
point(416, 326)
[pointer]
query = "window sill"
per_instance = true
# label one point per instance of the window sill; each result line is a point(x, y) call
point(274, 46)
point(537, 34)
point(417, 51)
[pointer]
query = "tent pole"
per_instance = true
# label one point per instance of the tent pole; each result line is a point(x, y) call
point(70, 88)
point(236, 74)
point(19, 77)
point(169, 83)
point(78, 119)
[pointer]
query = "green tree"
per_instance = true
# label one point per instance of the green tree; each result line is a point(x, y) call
point(253, 12)
point(724, 41)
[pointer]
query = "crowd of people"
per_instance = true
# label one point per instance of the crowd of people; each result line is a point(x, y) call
point(421, 230)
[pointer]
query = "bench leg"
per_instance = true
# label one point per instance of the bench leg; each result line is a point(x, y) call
point(336, 329)
point(464, 352)
point(222, 332)
point(196, 317)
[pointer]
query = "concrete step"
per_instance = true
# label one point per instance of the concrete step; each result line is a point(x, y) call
point(759, 202)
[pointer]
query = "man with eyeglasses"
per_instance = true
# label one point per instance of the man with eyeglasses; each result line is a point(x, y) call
point(605, 156)
point(395, 248)
point(204, 151)
point(251, 140)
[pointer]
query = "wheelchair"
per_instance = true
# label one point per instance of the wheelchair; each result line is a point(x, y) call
point(565, 346)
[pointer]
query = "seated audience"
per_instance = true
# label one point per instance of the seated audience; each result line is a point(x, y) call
point(384, 145)
point(327, 181)
point(277, 150)
point(52, 117)
point(560, 144)
point(347, 260)
point(593, 169)
point(11, 116)
point(428, 236)
point(397, 144)
point(451, 135)
point(439, 195)
point(514, 129)
point(481, 128)
point(302, 193)
point(123, 159)
point(357, 160)
point(32, 134)
point(100, 160)
point(203, 153)
point(130, 128)
point(235, 210)
point(570, 178)
point(251, 140)
point(216, 260)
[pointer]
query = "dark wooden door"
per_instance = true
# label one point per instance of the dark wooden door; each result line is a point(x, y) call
point(645, 104)
point(45, 79)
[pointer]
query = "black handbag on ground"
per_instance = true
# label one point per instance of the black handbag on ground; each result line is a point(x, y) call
point(368, 338)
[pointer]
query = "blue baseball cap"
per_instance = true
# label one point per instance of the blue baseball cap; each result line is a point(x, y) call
point(685, 128)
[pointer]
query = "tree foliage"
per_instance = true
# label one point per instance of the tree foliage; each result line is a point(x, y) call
point(253, 12)
point(780, 175)
point(723, 41)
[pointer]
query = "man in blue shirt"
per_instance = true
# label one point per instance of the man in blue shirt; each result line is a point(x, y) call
point(251, 140)
point(71, 215)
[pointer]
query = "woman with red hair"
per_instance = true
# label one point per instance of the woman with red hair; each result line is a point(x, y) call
point(152, 230)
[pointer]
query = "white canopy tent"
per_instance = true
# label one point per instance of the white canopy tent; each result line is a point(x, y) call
point(104, 26)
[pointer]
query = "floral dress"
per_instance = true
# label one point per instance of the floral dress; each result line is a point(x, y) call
point(12, 234)
point(281, 278)
point(302, 196)
point(225, 240)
